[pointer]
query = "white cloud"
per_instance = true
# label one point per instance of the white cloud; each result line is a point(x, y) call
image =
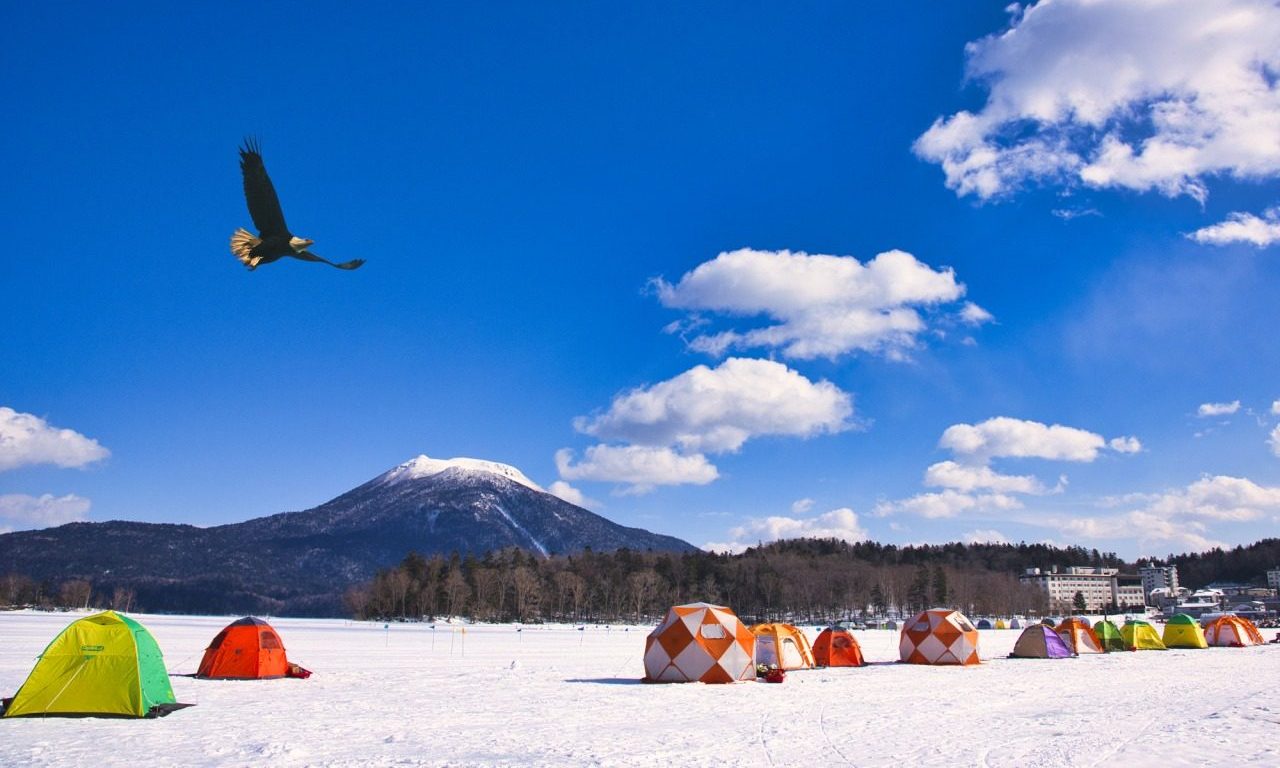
point(26, 439)
point(837, 524)
point(821, 305)
point(1177, 517)
point(948, 503)
point(1127, 500)
point(19, 510)
point(1128, 444)
point(1004, 436)
point(800, 506)
point(718, 409)
point(1220, 497)
point(1218, 409)
point(1147, 95)
point(976, 445)
point(1067, 214)
point(985, 536)
point(1242, 227)
point(573, 495)
point(642, 468)
point(1275, 407)
point(1274, 441)
point(963, 477)
point(972, 314)
point(1148, 529)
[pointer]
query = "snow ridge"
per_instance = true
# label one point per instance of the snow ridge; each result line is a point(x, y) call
point(425, 466)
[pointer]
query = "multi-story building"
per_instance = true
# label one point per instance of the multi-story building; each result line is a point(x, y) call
point(1158, 577)
point(1130, 595)
point(1273, 579)
point(1098, 586)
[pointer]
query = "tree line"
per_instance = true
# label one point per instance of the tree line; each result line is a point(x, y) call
point(804, 580)
point(19, 590)
point(1245, 564)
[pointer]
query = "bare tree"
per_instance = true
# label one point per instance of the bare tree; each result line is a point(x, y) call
point(428, 591)
point(16, 589)
point(357, 599)
point(456, 591)
point(572, 587)
point(527, 588)
point(122, 599)
point(642, 586)
point(484, 602)
point(399, 582)
point(75, 593)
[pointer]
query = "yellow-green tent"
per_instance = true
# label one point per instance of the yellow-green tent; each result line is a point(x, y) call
point(1182, 631)
point(1000, 624)
point(1138, 635)
point(104, 665)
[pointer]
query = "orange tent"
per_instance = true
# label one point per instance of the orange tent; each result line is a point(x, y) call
point(939, 636)
point(836, 647)
point(700, 643)
point(783, 646)
point(1079, 636)
point(1232, 632)
point(246, 649)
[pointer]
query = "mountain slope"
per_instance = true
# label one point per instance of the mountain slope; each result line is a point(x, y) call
point(299, 562)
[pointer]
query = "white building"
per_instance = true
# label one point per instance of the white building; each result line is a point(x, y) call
point(1097, 585)
point(1130, 595)
point(1158, 577)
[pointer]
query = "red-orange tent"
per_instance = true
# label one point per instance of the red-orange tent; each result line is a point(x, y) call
point(1232, 632)
point(246, 649)
point(835, 647)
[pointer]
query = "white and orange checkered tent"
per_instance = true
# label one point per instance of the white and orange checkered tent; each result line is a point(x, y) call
point(700, 643)
point(939, 636)
point(1079, 636)
point(1232, 632)
point(783, 646)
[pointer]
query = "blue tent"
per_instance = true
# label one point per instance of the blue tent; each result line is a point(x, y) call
point(984, 624)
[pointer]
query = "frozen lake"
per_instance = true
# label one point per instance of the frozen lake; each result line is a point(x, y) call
point(557, 696)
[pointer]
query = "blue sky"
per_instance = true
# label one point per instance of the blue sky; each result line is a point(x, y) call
point(637, 254)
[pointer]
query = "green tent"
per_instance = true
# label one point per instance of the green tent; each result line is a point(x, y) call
point(101, 665)
point(1109, 635)
point(1182, 631)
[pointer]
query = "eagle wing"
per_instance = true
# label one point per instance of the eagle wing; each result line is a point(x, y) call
point(259, 193)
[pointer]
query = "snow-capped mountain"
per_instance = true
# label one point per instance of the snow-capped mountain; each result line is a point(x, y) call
point(299, 562)
point(425, 466)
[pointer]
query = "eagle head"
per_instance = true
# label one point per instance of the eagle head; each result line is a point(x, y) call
point(300, 244)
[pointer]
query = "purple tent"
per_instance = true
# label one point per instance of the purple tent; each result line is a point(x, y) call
point(1040, 642)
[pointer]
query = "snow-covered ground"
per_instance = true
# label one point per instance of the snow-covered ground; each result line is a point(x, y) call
point(555, 696)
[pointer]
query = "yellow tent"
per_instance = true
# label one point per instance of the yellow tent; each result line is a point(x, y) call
point(783, 645)
point(105, 664)
point(1138, 635)
point(1000, 624)
point(1182, 631)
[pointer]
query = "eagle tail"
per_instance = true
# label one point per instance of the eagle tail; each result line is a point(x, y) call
point(242, 245)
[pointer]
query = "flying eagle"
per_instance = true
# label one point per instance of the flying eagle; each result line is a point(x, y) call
point(274, 240)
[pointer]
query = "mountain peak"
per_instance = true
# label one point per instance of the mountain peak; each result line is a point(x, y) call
point(425, 466)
